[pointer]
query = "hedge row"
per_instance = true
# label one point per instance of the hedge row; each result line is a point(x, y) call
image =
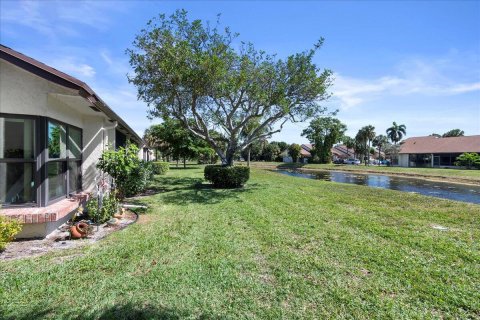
point(227, 177)
point(160, 167)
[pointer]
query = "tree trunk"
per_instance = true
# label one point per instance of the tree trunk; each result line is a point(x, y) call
point(229, 161)
point(248, 157)
point(365, 154)
point(184, 162)
point(396, 154)
point(177, 162)
point(230, 154)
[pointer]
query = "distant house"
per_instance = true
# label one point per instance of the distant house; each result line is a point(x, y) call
point(435, 152)
point(341, 152)
point(53, 129)
point(304, 154)
point(338, 152)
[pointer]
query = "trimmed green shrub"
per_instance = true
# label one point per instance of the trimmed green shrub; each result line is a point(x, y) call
point(468, 160)
point(160, 167)
point(92, 210)
point(108, 209)
point(8, 229)
point(227, 176)
point(138, 179)
point(131, 175)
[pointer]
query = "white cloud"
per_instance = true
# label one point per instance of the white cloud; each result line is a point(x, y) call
point(106, 57)
point(414, 77)
point(26, 13)
point(70, 66)
point(462, 88)
point(54, 19)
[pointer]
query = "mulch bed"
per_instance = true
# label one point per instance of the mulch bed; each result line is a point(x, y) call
point(60, 239)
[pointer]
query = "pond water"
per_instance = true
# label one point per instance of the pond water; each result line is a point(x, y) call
point(452, 191)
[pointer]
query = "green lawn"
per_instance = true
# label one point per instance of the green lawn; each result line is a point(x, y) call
point(282, 247)
point(441, 173)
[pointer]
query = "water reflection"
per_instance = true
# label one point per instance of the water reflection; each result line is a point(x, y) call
point(458, 192)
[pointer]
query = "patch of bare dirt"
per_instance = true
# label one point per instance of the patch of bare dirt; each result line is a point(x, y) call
point(60, 239)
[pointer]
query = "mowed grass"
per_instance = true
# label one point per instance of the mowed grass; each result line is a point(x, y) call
point(282, 247)
point(442, 173)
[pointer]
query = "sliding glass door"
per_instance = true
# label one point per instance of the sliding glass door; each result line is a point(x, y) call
point(17, 160)
point(57, 160)
point(64, 160)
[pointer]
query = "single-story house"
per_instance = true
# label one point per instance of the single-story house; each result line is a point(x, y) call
point(432, 151)
point(304, 154)
point(338, 152)
point(341, 152)
point(53, 129)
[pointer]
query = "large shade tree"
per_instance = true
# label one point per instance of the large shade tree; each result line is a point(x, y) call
point(294, 150)
point(324, 132)
point(189, 70)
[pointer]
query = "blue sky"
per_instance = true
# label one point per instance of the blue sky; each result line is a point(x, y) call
point(416, 63)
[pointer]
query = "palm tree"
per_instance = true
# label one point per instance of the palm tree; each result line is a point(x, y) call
point(366, 135)
point(361, 142)
point(349, 142)
point(395, 133)
point(380, 141)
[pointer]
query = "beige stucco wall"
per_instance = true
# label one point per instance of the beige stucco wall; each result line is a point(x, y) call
point(22, 92)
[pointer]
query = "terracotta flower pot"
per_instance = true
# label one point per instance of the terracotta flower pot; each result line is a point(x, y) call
point(79, 230)
point(82, 227)
point(74, 233)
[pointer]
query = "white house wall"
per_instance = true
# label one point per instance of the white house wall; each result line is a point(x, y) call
point(22, 92)
point(403, 160)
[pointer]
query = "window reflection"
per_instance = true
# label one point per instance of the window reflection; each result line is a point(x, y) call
point(74, 143)
point(57, 148)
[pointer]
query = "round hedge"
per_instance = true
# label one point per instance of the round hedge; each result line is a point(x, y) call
point(160, 167)
point(227, 176)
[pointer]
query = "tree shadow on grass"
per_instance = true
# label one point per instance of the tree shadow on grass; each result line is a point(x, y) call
point(124, 311)
point(290, 165)
point(190, 190)
point(180, 167)
point(198, 192)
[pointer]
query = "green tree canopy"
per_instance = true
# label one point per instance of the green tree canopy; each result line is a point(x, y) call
point(172, 139)
point(294, 151)
point(271, 152)
point(363, 141)
point(468, 160)
point(453, 133)
point(349, 142)
point(190, 70)
point(324, 132)
point(281, 144)
point(380, 142)
point(396, 132)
